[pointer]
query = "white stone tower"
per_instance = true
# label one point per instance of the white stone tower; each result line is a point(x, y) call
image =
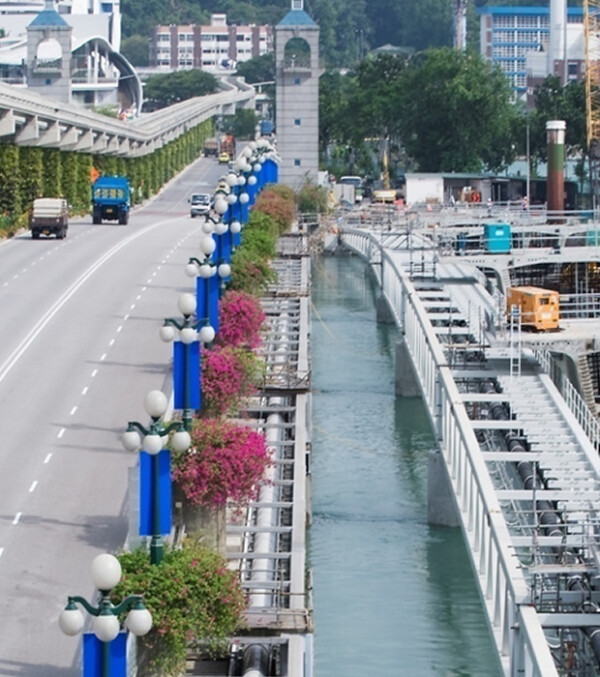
point(297, 75)
point(49, 54)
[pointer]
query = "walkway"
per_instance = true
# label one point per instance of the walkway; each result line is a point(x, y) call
point(515, 467)
point(266, 545)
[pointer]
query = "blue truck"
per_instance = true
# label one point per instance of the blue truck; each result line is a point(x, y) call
point(267, 127)
point(111, 199)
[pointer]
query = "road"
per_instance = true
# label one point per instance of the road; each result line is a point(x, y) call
point(79, 350)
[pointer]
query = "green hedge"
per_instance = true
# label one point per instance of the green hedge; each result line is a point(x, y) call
point(27, 172)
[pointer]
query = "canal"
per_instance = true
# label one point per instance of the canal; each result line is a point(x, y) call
point(393, 596)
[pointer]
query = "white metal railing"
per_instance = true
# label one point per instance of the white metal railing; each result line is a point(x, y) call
point(516, 628)
point(580, 305)
point(586, 418)
point(144, 134)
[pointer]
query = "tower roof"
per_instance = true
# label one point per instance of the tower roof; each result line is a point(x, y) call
point(49, 17)
point(296, 17)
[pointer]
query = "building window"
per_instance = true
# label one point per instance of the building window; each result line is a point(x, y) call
point(296, 81)
point(297, 122)
point(297, 162)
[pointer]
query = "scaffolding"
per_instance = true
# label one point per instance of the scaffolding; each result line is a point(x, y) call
point(591, 17)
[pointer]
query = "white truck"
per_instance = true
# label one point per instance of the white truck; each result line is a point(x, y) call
point(49, 216)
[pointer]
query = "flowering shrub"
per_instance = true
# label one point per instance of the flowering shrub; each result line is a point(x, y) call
point(251, 272)
point(266, 226)
point(225, 463)
point(228, 375)
point(240, 320)
point(193, 597)
point(312, 198)
point(280, 208)
point(259, 239)
point(283, 191)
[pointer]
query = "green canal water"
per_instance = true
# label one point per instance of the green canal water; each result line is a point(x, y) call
point(393, 596)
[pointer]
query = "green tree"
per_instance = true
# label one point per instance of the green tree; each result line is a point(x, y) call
point(427, 23)
point(258, 69)
point(456, 113)
point(81, 203)
point(139, 17)
point(169, 88)
point(135, 50)
point(70, 164)
point(31, 169)
point(52, 177)
point(334, 90)
point(363, 104)
point(554, 102)
point(376, 98)
point(10, 202)
point(348, 28)
point(242, 124)
point(312, 198)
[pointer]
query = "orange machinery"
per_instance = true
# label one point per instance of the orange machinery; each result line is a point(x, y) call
point(539, 307)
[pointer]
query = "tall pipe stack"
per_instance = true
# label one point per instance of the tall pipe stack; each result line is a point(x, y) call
point(555, 192)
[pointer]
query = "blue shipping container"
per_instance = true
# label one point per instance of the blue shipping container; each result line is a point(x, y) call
point(592, 238)
point(496, 238)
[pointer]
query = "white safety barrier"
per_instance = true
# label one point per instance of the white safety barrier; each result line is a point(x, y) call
point(515, 624)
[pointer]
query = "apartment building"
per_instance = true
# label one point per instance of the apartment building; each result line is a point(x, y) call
point(213, 48)
point(530, 43)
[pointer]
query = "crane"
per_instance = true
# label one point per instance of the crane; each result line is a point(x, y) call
point(591, 13)
point(460, 24)
point(591, 19)
point(460, 21)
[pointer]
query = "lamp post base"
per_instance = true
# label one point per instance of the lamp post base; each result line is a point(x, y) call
point(157, 550)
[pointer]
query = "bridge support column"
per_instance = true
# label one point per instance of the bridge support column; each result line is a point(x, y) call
point(383, 313)
point(441, 509)
point(407, 384)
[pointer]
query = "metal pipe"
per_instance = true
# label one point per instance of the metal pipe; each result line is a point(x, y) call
point(265, 569)
point(255, 662)
point(548, 514)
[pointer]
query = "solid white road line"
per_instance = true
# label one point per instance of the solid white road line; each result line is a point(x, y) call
point(16, 355)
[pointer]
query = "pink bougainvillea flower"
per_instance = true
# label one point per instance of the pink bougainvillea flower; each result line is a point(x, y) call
point(225, 463)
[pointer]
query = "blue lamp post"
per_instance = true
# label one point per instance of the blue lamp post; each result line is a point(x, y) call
point(186, 355)
point(222, 239)
point(235, 182)
point(155, 469)
point(104, 650)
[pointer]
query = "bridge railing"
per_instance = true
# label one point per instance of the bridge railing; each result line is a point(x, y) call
point(22, 110)
point(515, 626)
point(586, 418)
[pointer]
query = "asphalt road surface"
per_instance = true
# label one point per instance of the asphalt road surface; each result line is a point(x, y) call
point(79, 350)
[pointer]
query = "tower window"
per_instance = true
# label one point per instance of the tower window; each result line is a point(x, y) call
point(297, 162)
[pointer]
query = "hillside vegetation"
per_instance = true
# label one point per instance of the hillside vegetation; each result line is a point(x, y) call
point(348, 28)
